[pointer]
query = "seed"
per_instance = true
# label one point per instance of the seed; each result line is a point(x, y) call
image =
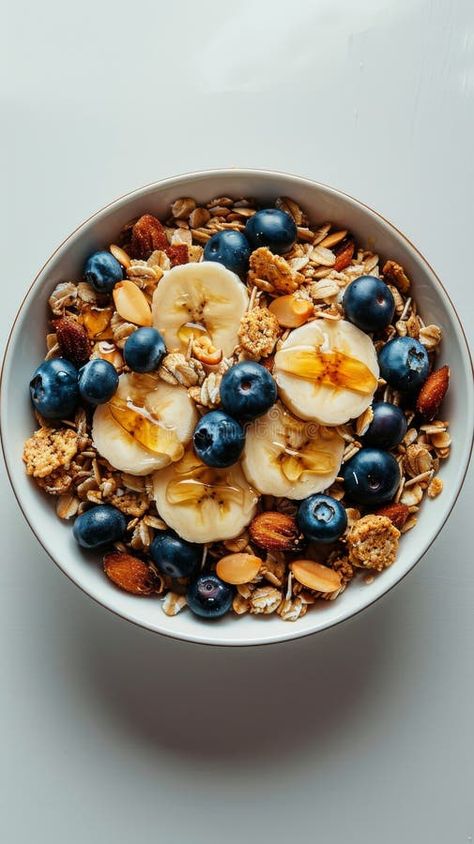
point(315, 576)
point(238, 568)
point(131, 303)
point(291, 312)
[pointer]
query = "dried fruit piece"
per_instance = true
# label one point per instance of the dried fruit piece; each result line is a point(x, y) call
point(131, 303)
point(397, 513)
point(147, 235)
point(129, 573)
point(290, 311)
point(433, 392)
point(178, 254)
point(344, 254)
point(72, 340)
point(97, 321)
point(238, 568)
point(275, 532)
point(316, 576)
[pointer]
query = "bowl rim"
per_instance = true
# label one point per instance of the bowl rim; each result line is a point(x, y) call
point(176, 180)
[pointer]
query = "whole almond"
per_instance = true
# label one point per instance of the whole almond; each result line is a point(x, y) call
point(129, 573)
point(275, 532)
point(131, 303)
point(397, 513)
point(72, 340)
point(315, 576)
point(433, 392)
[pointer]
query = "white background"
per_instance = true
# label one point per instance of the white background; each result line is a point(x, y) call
point(363, 733)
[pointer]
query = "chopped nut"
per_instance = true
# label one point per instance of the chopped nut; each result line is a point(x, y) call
point(275, 270)
point(259, 331)
point(182, 208)
point(395, 275)
point(373, 542)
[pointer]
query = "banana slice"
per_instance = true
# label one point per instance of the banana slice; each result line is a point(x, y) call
point(203, 504)
point(287, 457)
point(327, 371)
point(145, 426)
point(195, 298)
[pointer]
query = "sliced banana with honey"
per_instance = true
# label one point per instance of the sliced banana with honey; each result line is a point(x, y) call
point(287, 457)
point(145, 426)
point(203, 504)
point(327, 371)
point(193, 300)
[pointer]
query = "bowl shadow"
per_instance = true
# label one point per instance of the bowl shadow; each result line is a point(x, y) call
point(211, 703)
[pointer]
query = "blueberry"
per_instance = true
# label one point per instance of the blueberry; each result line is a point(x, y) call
point(98, 526)
point(144, 350)
point(322, 518)
point(273, 228)
point(98, 381)
point(209, 597)
point(369, 304)
point(247, 390)
point(371, 476)
point(404, 363)
point(388, 427)
point(230, 248)
point(218, 439)
point(174, 556)
point(103, 271)
point(54, 389)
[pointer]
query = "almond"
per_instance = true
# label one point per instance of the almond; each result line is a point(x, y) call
point(131, 303)
point(433, 392)
point(397, 513)
point(315, 576)
point(147, 235)
point(275, 532)
point(129, 573)
point(344, 253)
point(72, 340)
point(238, 568)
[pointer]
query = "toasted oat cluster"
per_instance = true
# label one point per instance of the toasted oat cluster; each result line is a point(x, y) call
point(273, 563)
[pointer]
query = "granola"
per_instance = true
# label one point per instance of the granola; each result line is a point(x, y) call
point(289, 576)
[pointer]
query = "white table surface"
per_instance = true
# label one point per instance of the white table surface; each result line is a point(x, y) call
point(363, 733)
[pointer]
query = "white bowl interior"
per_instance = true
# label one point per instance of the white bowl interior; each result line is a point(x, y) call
point(26, 349)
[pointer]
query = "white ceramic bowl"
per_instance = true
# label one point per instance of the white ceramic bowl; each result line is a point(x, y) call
point(25, 350)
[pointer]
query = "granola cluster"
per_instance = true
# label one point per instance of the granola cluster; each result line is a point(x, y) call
point(63, 461)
